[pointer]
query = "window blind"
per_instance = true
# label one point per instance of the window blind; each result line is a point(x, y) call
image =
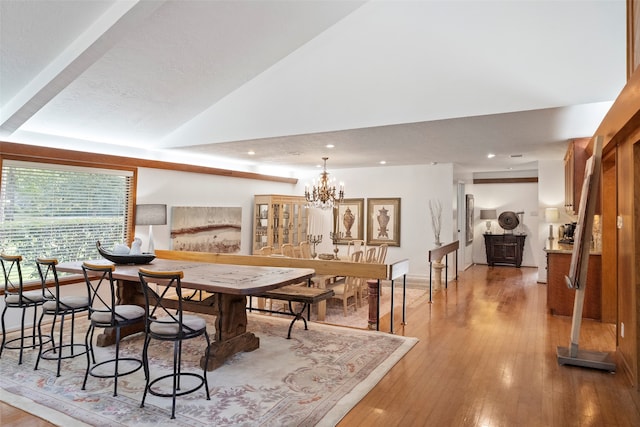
point(60, 211)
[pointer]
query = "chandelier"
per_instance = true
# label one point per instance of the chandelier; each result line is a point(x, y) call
point(323, 195)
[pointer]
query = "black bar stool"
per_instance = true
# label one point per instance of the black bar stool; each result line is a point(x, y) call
point(165, 322)
point(105, 313)
point(60, 306)
point(16, 297)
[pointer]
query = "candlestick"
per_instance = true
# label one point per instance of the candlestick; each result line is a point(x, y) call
point(314, 240)
point(335, 237)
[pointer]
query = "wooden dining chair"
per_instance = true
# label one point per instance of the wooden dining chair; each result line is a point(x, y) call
point(355, 246)
point(266, 250)
point(305, 250)
point(287, 250)
point(347, 289)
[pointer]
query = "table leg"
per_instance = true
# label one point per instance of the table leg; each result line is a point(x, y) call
point(231, 331)
point(373, 303)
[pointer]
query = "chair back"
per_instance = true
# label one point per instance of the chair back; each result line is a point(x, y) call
point(287, 250)
point(12, 273)
point(163, 301)
point(381, 256)
point(371, 255)
point(101, 289)
point(357, 256)
point(14, 293)
point(354, 246)
point(47, 272)
point(305, 249)
point(266, 250)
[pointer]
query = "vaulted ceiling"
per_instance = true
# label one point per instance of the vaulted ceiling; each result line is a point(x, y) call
point(407, 82)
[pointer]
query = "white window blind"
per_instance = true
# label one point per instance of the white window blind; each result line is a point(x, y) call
point(61, 211)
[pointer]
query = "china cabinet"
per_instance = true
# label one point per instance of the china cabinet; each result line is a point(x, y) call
point(278, 220)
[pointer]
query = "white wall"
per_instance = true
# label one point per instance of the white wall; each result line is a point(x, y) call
point(415, 185)
point(508, 197)
point(550, 195)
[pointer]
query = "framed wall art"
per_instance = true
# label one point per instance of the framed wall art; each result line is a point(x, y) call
point(348, 221)
point(383, 221)
point(206, 229)
point(469, 217)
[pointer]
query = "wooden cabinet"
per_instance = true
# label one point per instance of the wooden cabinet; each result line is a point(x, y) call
point(560, 298)
point(278, 220)
point(575, 161)
point(504, 248)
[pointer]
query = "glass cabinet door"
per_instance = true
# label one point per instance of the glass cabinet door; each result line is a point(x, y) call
point(278, 220)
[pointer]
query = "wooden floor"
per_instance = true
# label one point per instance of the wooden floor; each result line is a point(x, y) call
point(486, 357)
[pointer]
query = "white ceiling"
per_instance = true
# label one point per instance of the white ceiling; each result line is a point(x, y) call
point(409, 82)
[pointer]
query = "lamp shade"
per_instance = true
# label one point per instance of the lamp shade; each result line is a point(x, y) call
point(151, 214)
point(488, 214)
point(551, 215)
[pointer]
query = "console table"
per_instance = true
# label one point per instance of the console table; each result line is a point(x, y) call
point(504, 248)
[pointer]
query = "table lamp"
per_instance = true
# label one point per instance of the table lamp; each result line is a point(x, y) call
point(551, 215)
point(152, 214)
point(488, 214)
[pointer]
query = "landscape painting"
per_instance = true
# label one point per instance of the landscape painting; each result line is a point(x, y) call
point(206, 229)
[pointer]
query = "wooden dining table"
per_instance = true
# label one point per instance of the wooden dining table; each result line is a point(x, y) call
point(218, 289)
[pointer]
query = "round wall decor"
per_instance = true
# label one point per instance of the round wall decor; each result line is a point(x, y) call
point(508, 220)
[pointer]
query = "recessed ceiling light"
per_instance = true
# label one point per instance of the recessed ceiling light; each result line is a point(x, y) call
point(251, 152)
point(329, 145)
point(490, 156)
point(383, 162)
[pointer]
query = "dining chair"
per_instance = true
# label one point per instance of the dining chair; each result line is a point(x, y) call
point(60, 307)
point(16, 297)
point(305, 249)
point(287, 250)
point(105, 313)
point(166, 322)
point(381, 255)
point(355, 246)
point(348, 287)
point(370, 256)
point(266, 250)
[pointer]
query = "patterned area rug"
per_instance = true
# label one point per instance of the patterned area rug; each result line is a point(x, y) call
point(359, 318)
point(314, 378)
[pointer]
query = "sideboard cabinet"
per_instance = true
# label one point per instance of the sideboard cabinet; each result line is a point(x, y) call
point(504, 248)
point(277, 220)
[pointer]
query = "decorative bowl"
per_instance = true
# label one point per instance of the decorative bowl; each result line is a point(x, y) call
point(144, 258)
point(326, 257)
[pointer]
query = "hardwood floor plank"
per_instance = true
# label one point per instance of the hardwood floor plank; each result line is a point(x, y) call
point(487, 356)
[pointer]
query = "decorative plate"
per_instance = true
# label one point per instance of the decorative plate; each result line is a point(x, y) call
point(508, 220)
point(145, 258)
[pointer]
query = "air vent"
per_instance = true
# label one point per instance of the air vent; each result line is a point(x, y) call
point(513, 156)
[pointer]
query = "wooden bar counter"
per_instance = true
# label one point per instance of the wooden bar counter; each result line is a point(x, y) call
point(559, 297)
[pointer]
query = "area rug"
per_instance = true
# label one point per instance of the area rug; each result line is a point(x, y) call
point(314, 378)
point(360, 318)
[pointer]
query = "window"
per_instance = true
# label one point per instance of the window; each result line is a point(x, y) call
point(61, 211)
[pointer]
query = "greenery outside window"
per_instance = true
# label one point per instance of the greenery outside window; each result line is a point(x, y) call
point(61, 211)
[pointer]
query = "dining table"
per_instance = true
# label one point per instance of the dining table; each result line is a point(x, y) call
point(217, 289)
